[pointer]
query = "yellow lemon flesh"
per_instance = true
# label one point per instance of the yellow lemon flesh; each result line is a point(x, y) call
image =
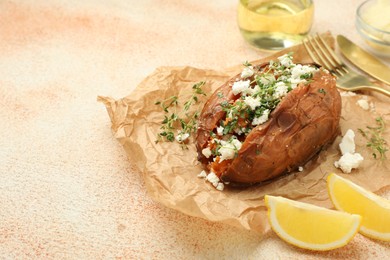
point(375, 211)
point(308, 226)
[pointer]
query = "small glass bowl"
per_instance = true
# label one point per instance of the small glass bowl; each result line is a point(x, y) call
point(371, 23)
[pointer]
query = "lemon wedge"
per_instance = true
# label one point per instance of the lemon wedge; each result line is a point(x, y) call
point(375, 210)
point(308, 226)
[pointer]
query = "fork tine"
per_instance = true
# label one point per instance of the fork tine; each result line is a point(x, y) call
point(319, 55)
point(335, 61)
point(311, 54)
point(322, 54)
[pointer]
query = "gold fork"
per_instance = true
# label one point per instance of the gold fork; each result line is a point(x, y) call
point(347, 80)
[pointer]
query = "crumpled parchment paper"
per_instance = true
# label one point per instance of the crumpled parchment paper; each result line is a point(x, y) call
point(170, 172)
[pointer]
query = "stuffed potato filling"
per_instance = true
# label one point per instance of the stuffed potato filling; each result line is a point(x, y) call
point(256, 92)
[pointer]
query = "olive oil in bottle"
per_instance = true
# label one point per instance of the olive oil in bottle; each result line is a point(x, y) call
point(275, 24)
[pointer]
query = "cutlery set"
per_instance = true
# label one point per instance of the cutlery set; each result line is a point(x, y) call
point(347, 79)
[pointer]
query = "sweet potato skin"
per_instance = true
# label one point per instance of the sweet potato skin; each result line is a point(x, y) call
point(304, 121)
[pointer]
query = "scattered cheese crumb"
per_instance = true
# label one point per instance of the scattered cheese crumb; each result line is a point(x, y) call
point(281, 89)
point(347, 144)
point(300, 168)
point(229, 148)
point(220, 186)
point(247, 72)
point(348, 162)
point(181, 137)
point(285, 60)
point(214, 180)
point(261, 119)
point(363, 103)
point(202, 174)
point(220, 130)
point(207, 152)
point(212, 177)
point(240, 86)
point(349, 159)
point(347, 94)
point(252, 102)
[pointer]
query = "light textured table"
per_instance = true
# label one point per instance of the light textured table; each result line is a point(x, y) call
point(67, 189)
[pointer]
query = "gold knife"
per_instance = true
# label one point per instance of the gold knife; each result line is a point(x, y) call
point(364, 60)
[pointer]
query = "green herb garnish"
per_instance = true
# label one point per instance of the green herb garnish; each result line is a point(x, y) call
point(375, 140)
point(184, 123)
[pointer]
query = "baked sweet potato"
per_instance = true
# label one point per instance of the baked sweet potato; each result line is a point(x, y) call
point(301, 123)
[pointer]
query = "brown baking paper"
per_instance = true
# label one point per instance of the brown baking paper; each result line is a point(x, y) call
point(170, 173)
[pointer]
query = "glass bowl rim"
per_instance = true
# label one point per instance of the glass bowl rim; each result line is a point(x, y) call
point(359, 17)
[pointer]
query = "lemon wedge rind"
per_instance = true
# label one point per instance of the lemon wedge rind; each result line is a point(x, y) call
point(311, 227)
point(350, 197)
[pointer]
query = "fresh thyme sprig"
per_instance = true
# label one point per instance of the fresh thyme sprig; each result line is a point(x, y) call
point(185, 123)
point(375, 139)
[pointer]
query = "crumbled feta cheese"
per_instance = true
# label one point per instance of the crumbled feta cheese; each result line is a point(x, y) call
point(347, 144)
point(237, 144)
point(206, 152)
point(229, 148)
point(347, 93)
point(261, 119)
point(252, 102)
point(181, 137)
point(220, 130)
point(239, 130)
point(220, 186)
point(363, 103)
point(300, 70)
point(252, 91)
point(285, 60)
point(202, 174)
point(280, 90)
point(348, 162)
point(212, 177)
point(240, 87)
point(227, 152)
point(349, 159)
point(300, 168)
point(247, 72)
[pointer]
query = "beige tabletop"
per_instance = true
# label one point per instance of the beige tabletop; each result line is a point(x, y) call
point(67, 189)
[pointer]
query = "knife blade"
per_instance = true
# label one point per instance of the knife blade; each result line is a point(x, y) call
point(364, 60)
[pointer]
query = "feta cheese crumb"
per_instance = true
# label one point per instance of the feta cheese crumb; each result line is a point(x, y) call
point(280, 90)
point(202, 174)
point(247, 72)
point(229, 148)
point(348, 162)
point(206, 152)
point(252, 102)
point(363, 103)
point(220, 130)
point(349, 159)
point(347, 94)
point(300, 168)
point(212, 177)
point(240, 87)
point(285, 60)
point(220, 186)
point(261, 119)
point(181, 137)
point(347, 144)
point(299, 70)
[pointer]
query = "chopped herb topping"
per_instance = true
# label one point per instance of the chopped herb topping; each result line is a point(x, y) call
point(185, 123)
point(375, 140)
point(321, 90)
